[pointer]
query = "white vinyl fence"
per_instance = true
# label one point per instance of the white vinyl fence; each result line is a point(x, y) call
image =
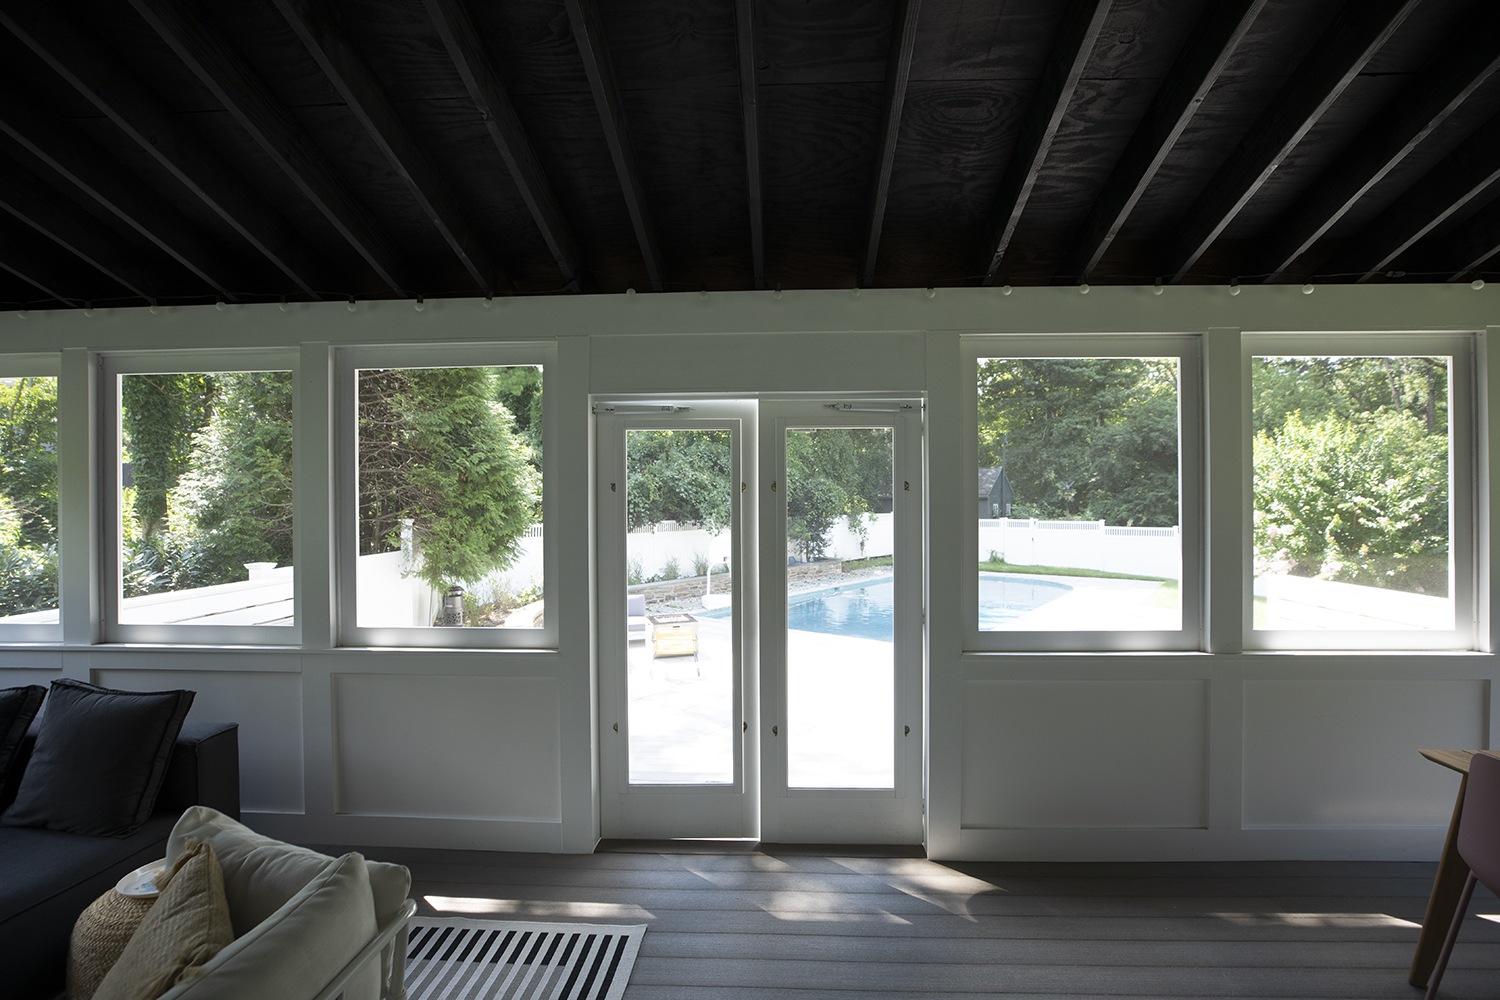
point(652, 548)
point(390, 595)
point(1083, 545)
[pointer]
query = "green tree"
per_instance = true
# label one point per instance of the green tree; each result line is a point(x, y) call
point(1089, 438)
point(28, 456)
point(435, 448)
point(1362, 501)
point(235, 499)
point(683, 476)
point(160, 414)
point(834, 472)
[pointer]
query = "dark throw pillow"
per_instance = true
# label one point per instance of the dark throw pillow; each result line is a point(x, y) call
point(18, 706)
point(99, 759)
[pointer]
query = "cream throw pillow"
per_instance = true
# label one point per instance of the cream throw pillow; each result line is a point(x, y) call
point(298, 950)
point(261, 874)
point(186, 928)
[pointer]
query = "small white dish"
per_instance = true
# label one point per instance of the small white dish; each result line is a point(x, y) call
point(142, 882)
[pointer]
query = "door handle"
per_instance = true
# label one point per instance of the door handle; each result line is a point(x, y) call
point(775, 731)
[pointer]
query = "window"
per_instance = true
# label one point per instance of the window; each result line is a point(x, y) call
point(445, 545)
point(28, 502)
point(1358, 454)
point(1086, 521)
point(200, 500)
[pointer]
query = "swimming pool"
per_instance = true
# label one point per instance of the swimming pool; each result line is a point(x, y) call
point(1003, 598)
point(867, 609)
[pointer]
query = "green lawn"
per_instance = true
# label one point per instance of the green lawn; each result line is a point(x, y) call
point(1004, 567)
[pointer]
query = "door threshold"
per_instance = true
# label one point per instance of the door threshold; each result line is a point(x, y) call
point(740, 845)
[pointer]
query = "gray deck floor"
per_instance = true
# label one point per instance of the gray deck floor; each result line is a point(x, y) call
point(767, 922)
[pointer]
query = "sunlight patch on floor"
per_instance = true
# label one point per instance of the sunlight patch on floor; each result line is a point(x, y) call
point(529, 908)
point(1348, 920)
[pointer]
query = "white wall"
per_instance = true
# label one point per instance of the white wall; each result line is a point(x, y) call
point(1086, 755)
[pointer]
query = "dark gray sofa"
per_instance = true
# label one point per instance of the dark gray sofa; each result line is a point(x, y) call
point(48, 878)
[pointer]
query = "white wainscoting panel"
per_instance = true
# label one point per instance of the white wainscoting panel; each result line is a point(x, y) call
point(268, 707)
point(1085, 754)
point(1331, 753)
point(447, 746)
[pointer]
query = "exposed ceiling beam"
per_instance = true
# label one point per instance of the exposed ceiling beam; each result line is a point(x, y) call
point(1460, 251)
point(94, 173)
point(23, 255)
point(101, 79)
point(205, 48)
point(351, 76)
point(493, 102)
point(1080, 29)
point(1219, 31)
point(1357, 33)
point(31, 204)
point(1461, 176)
point(744, 26)
point(588, 32)
point(897, 76)
point(1462, 65)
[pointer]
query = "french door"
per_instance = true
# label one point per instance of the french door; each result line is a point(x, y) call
point(760, 620)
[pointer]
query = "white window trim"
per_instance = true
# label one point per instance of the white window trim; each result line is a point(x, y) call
point(346, 482)
point(37, 366)
point(111, 554)
point(1187, 348)
point(1462, 471)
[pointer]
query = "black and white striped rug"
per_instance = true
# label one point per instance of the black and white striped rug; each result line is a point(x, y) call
point(456, 958)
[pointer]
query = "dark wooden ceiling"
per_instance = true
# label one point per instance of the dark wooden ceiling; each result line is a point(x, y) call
point(187, 151)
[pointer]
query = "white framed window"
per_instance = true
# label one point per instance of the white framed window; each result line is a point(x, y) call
point(197, 497)
point(29, 610)
point(442, 511)
point(1360, 492)
point(1083, 508)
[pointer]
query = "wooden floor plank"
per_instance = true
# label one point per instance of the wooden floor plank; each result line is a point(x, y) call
point(802, 924)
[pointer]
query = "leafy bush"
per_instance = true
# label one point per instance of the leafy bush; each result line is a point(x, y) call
point(1361, 501)
point(669, 570)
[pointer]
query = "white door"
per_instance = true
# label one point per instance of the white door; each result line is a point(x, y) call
point(841, 636)
point(676, 697)
point(760, 620)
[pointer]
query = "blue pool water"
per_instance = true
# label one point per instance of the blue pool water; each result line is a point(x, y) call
point(867, 610)
point(1003, 599)
point(864, 610)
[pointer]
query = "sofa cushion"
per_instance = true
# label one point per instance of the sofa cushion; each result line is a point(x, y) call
point(297, 950)
point(261, 874)
point(39, 864)
point(18, 706)
point(47, 879)
point(99, 760)
point(186, 928)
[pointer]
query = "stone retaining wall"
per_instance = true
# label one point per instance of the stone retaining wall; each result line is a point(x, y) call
point(690, 587)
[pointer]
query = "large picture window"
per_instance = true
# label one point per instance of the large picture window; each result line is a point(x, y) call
point(1357, 512)
point(201, 500)
point(1082, 532)
point(447, 501)
point(28, 506)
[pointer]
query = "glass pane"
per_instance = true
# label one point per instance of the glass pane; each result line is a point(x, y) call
point(1352, 493)
point(680, 607)
point(840, 641)
point(450, 498)
point(28, 500)
point(1079, 499)
point(206, 498)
